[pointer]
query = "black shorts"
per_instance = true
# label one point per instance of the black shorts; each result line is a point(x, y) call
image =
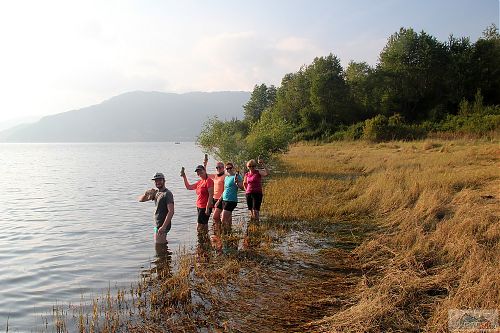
point(229, 205)
point(214, 201)
point(202, 217)
point(254, 200)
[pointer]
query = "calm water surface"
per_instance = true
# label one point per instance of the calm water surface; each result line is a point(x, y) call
point(71, 225)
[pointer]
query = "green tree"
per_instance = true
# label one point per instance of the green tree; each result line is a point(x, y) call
point(271, 134)
point(262, 97)
point(224, 139)
point(486, 65)
point(412, 66)
point(329, 95)
point(293, 96)
point(360, 78)
point(459, 76)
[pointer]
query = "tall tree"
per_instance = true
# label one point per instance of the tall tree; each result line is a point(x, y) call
point(329, 93)
point(360, 79)
point(413, 66)
point(486, 65)
point(262, 97)
point(293, 96)
point(459, 76)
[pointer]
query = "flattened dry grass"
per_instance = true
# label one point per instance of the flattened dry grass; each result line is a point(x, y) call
point(437, 203)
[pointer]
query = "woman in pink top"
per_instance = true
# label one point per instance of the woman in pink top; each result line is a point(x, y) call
point(253, 187)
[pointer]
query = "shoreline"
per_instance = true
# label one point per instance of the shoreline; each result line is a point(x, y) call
point(357, 237)
point(435, 207)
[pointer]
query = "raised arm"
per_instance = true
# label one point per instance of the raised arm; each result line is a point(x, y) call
point(263, 170)
point(186, 183)
point(205, 161)
point(148, 195)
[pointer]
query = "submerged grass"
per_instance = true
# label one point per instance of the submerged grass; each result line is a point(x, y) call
point(270, 277)
point(358, 237)
point(437, 206)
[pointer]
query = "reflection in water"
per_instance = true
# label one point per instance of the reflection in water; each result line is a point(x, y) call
point(54, 261)
point(203, 248)
point(253, 236)
point(162, 265)
point(227, 241)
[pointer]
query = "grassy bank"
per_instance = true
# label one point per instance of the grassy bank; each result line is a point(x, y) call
point(436, 204)
point(357, 237)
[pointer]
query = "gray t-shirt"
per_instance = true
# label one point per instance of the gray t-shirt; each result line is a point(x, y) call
point(162, 199)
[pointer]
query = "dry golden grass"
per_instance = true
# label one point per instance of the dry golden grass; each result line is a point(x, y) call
point(436, 247)
point(190, 294)
point(437, 203)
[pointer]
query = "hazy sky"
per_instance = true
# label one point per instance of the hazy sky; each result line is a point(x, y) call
point(63, 55)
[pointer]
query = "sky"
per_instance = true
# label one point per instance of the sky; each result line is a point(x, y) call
point(58, 56)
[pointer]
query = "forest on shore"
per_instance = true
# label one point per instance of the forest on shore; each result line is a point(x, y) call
point(420, 86)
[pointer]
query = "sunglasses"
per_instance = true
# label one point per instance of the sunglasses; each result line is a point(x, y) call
point(219, 167)
point(250, 166)
point(229, 168)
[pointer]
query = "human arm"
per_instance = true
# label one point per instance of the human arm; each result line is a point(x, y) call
point(186, 183)
point(168, 219)
point(263, 170)
point(245, 182)
point(217, 203)
point(239, 182)
point(210, 199)
point(205, 161)
point(148, 195)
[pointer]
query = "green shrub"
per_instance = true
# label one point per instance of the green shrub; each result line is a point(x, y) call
point(482, 123)
point(377, 129)
point(350, 133)
point(381, 128)
point(224, 139)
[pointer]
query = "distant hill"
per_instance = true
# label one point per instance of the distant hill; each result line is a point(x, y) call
point(134, 116)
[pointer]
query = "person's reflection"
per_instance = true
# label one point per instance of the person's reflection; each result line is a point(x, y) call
point(163, 260)
point(203, 248)
point(229, 242)
point(253, 236)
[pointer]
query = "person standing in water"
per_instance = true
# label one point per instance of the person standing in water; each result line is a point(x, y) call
point(232, 182)
point(164, 202)
point(204, 203)
point(253, 187)
point(218, 179)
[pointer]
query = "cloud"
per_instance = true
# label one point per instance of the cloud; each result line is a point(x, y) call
point(293, 52)
point(241, 60)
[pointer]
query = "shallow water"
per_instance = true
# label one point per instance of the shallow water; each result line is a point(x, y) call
point(71, 225)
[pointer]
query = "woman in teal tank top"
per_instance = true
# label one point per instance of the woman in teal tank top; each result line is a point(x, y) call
point(232, 182)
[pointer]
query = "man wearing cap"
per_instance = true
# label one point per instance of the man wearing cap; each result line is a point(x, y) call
point(205, 191)
point(164, 202)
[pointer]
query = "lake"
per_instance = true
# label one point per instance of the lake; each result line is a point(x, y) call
point(71, 224)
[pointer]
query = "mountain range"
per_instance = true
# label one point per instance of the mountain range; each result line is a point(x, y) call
point(134, 116)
